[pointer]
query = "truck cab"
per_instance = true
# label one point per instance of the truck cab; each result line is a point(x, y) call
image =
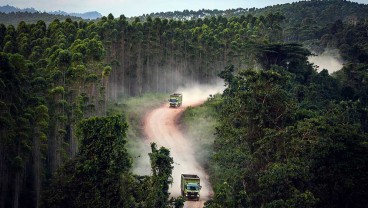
point(192, 191)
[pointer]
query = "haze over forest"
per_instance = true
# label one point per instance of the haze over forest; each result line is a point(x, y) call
point(130, 8)
point(289, 128)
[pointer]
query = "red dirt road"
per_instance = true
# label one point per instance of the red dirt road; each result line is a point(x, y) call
point(161, 127)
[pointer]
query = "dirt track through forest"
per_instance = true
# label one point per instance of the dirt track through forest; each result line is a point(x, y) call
point(161, 126)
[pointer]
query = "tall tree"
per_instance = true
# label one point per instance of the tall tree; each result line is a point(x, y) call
point(161, 165)
point(93, 177)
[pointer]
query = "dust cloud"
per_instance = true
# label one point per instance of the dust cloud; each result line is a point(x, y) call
point(196, 93)
point(329, 60)
point(141, 162)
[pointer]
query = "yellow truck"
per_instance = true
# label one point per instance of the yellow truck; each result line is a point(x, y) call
point(190, 186)
point(176, 100)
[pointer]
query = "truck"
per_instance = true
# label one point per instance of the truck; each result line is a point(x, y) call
point(190, 186)
point(176, 100)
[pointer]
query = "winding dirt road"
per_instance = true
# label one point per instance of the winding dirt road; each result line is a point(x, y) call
point(161, 126)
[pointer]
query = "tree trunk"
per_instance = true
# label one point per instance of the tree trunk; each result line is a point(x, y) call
point(37, 166)
point(147, 73)
point(106, 100)
point(16, 190)
point(51, 143)
point(157, 82)
point(139, 68)
point(73, 141)
point(3, 178)
point(130, 75)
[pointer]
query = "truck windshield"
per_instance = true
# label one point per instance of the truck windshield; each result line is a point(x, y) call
point(173, 100)
point(192, 187)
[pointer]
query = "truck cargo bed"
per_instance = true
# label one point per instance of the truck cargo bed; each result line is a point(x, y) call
point(190, 176)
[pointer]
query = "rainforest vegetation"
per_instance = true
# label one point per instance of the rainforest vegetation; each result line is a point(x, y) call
point(287, 135)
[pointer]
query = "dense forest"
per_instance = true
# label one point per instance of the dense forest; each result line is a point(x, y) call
point(15, 18)
point(289, 135)
point(311, 9)
point(303, 20)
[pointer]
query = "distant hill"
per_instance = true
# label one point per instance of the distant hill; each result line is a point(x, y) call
point(9, 9)
point(14, 18)
point(87, 15)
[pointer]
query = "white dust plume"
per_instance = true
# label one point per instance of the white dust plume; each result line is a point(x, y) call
point(329, 60)
point(196, 93)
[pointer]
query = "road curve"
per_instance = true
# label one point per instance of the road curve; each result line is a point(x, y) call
point(161, 126)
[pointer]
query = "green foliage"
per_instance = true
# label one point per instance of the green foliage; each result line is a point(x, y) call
point(349, 37)
point(106, 71)
point(273, 149)
point(288, 56)
point(99, 175)
point(199, 124)
point(94, 177)
point(134, 109)
point(162, 166)
point(178, 202)
point(107, 136)
point(40, 102)
point(20, 123)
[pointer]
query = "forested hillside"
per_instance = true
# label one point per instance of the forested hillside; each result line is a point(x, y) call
point(10, 15)
point(302, 20)
point(289, 136)
point(16, 18)
point(9, 9)
point(317, 11)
